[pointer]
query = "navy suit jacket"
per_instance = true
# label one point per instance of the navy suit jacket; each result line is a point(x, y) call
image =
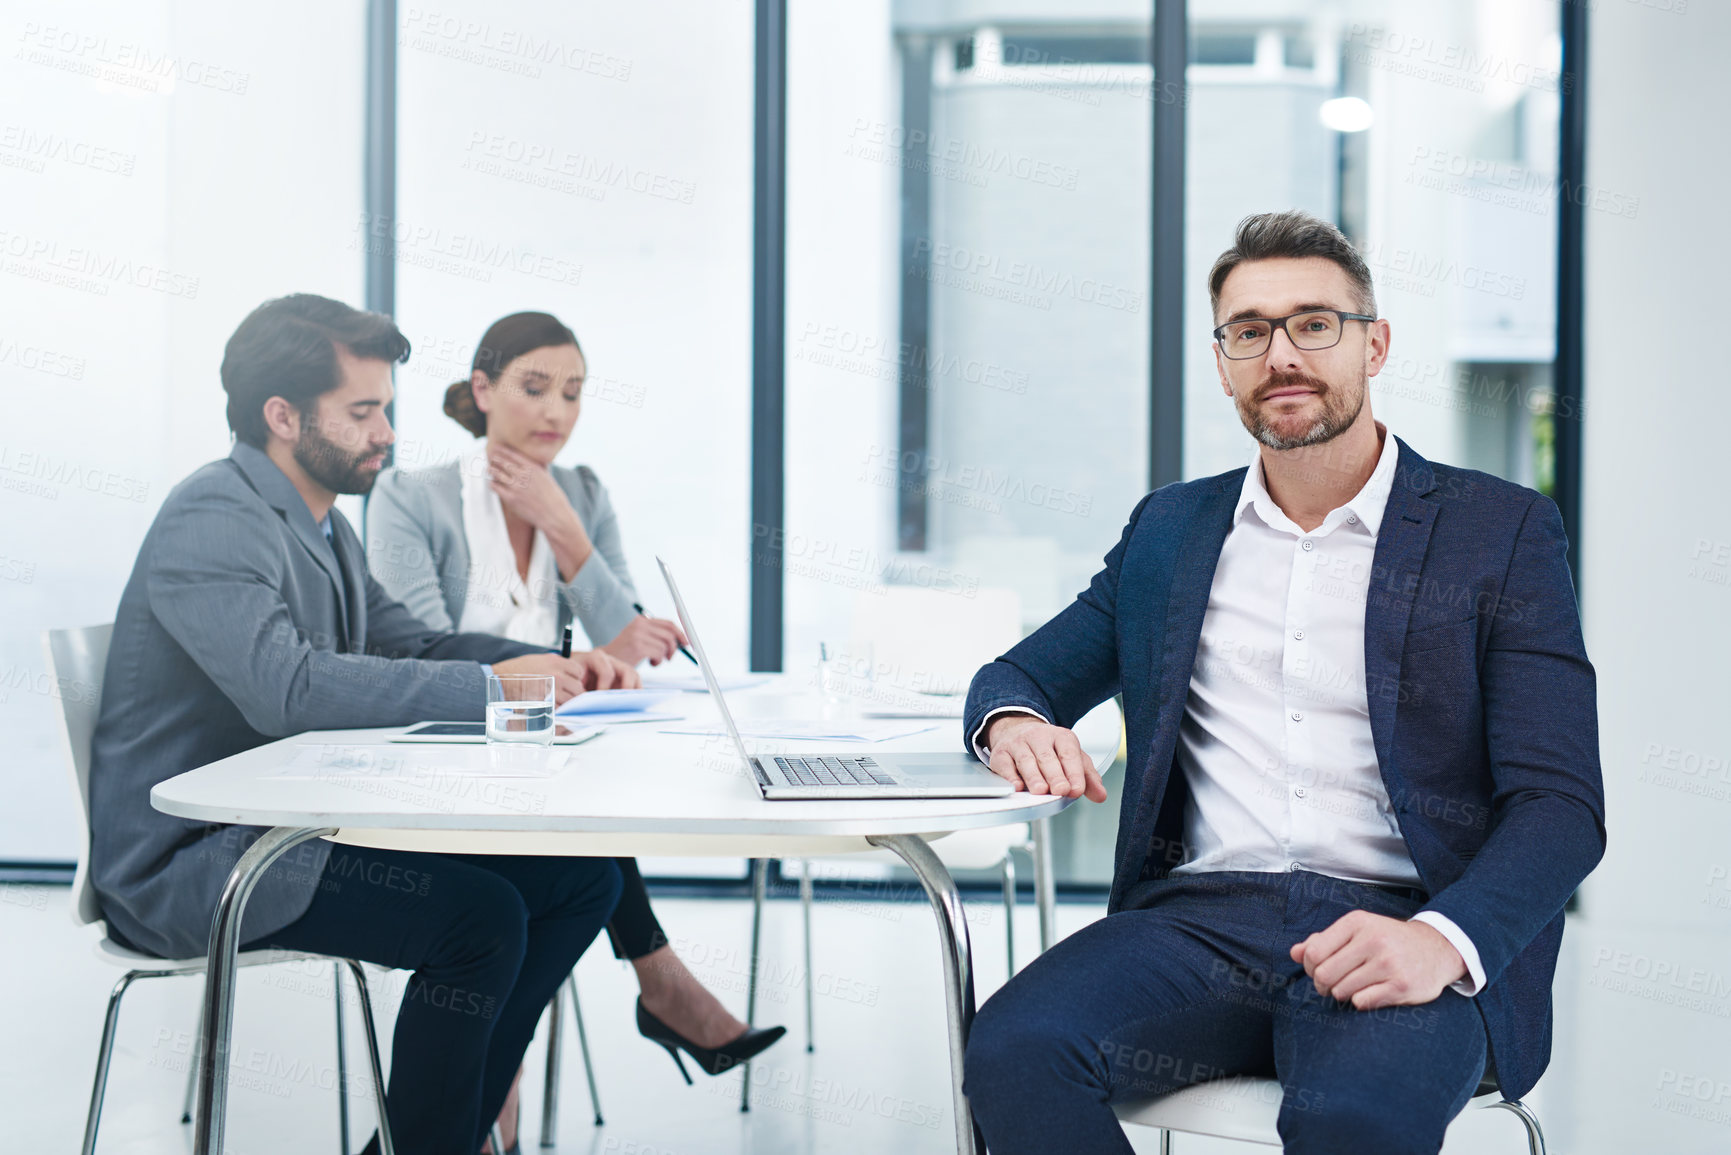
point(1482, 708)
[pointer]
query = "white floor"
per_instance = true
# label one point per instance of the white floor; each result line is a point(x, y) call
point(1640, 1063)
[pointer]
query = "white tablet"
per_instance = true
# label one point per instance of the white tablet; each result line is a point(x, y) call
point(564, 733)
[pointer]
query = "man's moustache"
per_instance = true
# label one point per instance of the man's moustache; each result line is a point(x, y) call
point(1277, 384)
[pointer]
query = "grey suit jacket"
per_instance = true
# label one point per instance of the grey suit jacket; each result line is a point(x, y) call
point(241, 624)
point(417, 550)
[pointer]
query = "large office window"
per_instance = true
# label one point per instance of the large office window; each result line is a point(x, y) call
point(967, 331)
point(968, 359)
point(967, 307)
point(594, 162)
point(165, 166)
point(1429, 133)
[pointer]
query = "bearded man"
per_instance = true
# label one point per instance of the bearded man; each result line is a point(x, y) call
point(250, 616)
point(1363, 766)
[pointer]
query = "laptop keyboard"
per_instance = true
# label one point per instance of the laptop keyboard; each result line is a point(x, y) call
point(834, 772)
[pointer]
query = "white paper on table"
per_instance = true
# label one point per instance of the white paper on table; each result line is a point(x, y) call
point(843, 730)
point(625, 717)
point(612, 702)
point(693, 682)
point(347, 762)
point(939, 709)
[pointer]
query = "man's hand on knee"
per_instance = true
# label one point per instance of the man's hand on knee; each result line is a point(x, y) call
point(1373, 961)
point(1042, 759)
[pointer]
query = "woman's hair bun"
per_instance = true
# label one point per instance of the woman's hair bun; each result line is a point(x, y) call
point(460, 407)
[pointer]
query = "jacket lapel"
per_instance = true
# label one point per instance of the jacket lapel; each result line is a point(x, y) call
point(1193, 565)
point(1401, 543)
point(1192, 579)
point(347, 545)
point(279, 492)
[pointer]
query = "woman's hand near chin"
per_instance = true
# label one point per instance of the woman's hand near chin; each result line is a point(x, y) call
point(528, 492)
point(646, 638)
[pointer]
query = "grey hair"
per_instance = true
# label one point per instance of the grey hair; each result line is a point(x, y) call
point(1293, 233)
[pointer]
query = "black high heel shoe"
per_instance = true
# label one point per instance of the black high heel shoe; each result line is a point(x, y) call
point(716, 1061)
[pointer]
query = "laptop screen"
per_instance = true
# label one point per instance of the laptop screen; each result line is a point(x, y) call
point(703, 663)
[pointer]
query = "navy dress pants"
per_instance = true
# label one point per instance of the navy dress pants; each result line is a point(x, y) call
point(1195, 983)
point(488, 938)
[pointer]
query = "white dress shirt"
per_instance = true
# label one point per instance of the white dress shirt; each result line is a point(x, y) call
point(1275, 744)
point(499, 600)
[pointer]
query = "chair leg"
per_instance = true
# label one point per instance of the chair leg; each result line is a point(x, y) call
point(104, 1053)
point(550, 1082)
point(342, 1061)
point(1535, 1135)
point(1165, 1142)
point(1009, 872)
point(386, 1145)
point(192, 1067)
point(759, 881)
point(583, 1046)
point(805, 897)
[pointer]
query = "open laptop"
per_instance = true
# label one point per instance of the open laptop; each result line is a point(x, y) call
point(804, 777)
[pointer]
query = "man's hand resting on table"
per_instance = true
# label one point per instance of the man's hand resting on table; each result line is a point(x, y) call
point(1373, 961)
point(1042, 758)
point(588, 670)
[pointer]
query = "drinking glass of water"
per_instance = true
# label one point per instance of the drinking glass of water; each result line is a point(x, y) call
point(844, 671)
point(520, 709)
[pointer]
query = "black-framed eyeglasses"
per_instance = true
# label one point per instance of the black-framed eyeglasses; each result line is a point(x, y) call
point(1310, 330)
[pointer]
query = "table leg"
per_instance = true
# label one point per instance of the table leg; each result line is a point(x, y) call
point(212, 1102)
point(1045, 887)
point(958, 968)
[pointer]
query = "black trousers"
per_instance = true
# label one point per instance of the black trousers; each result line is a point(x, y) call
point(633, 929)
point(488, 938)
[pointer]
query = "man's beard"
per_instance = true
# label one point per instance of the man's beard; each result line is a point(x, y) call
point(1336, 416)
point(330, 464)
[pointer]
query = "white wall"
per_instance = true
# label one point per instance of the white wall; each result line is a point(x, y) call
point(1656, 543)
point(1656, 580)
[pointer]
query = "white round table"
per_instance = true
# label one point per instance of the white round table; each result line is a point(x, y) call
point(632, 791)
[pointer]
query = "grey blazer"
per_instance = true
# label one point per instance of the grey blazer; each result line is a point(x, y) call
point(417, 550)
point(241, 624)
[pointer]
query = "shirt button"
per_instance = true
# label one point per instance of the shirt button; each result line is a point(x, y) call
point(1351, 519)
point(1298, 635)
point(1298, 791)
point(1307, 545)
point(1298, 716)
point(1295, 867)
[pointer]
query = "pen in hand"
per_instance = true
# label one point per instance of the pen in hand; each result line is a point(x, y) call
point(565, 644)
point(638, 606)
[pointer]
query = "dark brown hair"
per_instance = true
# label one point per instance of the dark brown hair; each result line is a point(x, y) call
point(1292, 233)
point(505, 340)
point(287, 348)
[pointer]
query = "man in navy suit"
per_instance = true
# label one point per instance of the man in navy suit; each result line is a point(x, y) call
point(1363, 772)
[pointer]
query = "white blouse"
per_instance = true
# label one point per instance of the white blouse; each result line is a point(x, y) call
point(499, 600)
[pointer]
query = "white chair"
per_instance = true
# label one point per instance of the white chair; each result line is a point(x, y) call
point(550, 1083)
point(1246, 1108)
point(76, 660)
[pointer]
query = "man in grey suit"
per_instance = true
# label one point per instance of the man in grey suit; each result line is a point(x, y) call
point(249, 616)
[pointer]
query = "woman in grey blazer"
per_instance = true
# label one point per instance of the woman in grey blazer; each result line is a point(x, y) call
point(503, 541)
